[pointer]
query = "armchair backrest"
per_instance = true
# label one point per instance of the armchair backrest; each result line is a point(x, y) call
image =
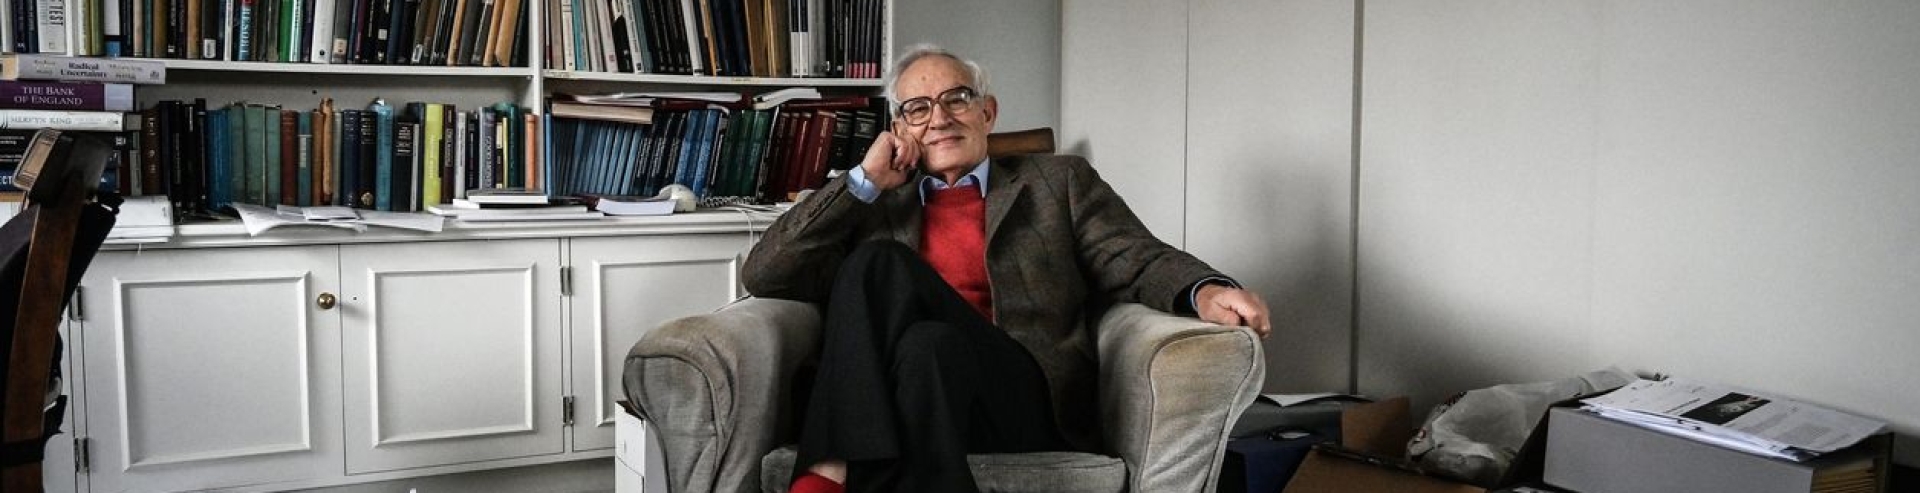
point(1034, 141)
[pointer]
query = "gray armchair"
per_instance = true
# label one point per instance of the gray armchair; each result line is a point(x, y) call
point(716, 390)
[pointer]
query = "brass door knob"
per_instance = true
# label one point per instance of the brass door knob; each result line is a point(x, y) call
point(326, 301)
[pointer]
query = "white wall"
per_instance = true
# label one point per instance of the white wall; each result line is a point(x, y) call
point(1726, 190)
point(1226, 125)
point(1017, 41)
point(1722, 190)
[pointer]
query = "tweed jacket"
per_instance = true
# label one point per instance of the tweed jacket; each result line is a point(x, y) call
point(1060, 245)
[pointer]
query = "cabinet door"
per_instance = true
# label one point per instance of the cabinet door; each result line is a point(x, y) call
point(624, 287)
point(452, 352)
point(211, 368)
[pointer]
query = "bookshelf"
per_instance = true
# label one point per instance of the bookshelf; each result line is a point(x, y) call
point(347, 395)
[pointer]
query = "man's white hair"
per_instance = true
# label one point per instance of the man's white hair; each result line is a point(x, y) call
point(977, 75)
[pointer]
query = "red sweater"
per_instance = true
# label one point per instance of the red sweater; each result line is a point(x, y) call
point(954, 242)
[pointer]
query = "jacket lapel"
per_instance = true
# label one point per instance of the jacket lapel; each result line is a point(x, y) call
point(1003, 191)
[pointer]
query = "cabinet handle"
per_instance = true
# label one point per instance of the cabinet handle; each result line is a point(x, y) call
point(326, 301)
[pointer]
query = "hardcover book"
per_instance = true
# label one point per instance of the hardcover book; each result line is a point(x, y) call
point(19, 66)
point(83, 96)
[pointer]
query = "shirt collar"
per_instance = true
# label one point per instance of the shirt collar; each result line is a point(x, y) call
point(930, 183)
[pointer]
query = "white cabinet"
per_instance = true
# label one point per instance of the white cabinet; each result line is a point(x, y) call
point(314, 359)
point(623, 288)
point(452, 352)
point(209, 369)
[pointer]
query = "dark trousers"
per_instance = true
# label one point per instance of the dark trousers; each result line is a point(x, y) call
point(912, 379)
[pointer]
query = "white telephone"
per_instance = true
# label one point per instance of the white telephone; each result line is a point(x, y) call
point(683, 198)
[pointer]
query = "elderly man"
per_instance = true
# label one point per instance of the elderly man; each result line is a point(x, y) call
point(957, 291)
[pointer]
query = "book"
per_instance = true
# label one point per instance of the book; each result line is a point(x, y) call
point(582, 111)
point(507, 196)
point(21, 66)
point(62, 120)
point(628, 205)
point(80, 96)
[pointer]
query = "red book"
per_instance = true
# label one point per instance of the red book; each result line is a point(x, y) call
point(819, 140)
point(289, 157)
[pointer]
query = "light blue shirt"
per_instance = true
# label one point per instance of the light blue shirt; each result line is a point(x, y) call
point(863, 189)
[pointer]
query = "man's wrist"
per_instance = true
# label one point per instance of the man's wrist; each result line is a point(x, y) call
point(1190, 304)
point(861, 187)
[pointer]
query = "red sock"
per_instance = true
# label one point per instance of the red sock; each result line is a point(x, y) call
point(815, 483)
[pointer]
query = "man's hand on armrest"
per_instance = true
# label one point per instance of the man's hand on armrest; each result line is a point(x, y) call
point(1227, 305)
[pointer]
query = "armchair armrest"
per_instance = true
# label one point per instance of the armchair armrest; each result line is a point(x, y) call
point(1170, 390)
point(713, 387)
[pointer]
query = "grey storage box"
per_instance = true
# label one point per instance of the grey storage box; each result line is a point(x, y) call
point(1591, 454)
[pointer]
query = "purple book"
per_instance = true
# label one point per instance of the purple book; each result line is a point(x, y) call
point(81, 96)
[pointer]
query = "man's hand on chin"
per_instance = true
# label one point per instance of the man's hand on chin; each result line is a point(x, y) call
point(1226, 305)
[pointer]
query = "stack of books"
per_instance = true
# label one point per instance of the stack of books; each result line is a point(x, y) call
point(84, 95)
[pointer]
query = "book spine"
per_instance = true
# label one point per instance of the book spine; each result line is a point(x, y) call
point(433, 128)
point(343, 16)
point(243, 24)
point(194, 151)
point(273, 184)
point(322, 152)
point(366, 176)
point(292, 17)
point(382, 185)
point(52, 26)
point(61, 120)
point(320, 32)
point(351, 123)
point(400, 187)
point(484, 120)
point(84, 96)
point(235, 162)
point(303, 159)
point(451, 186)
point(46, 67)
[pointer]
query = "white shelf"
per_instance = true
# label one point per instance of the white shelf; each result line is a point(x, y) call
point(324, 68)
point(709, 80)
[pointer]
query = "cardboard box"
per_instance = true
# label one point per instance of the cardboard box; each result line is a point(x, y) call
point(1373, 440)
point(1592, 454)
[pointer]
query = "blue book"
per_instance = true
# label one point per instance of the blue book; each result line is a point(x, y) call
point(690, 134)
point(218, 195)
point(630, 159)
point(382, 154)
point(703, 152)
point(580, 53)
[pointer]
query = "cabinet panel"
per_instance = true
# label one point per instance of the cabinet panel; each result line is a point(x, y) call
point(624, 287)
point(187, 392)
point(452, 352)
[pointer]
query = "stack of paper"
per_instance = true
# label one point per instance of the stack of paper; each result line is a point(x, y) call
point(1738, 420)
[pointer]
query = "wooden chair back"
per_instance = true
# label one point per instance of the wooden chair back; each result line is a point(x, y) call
point(59, 175)
point(1035, 141)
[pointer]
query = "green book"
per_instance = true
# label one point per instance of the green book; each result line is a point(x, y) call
point(304, 121)
point(256, 172)
point(270, 177)
point(236, 161)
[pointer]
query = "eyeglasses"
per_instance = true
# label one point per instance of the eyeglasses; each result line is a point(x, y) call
point(956, 101)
